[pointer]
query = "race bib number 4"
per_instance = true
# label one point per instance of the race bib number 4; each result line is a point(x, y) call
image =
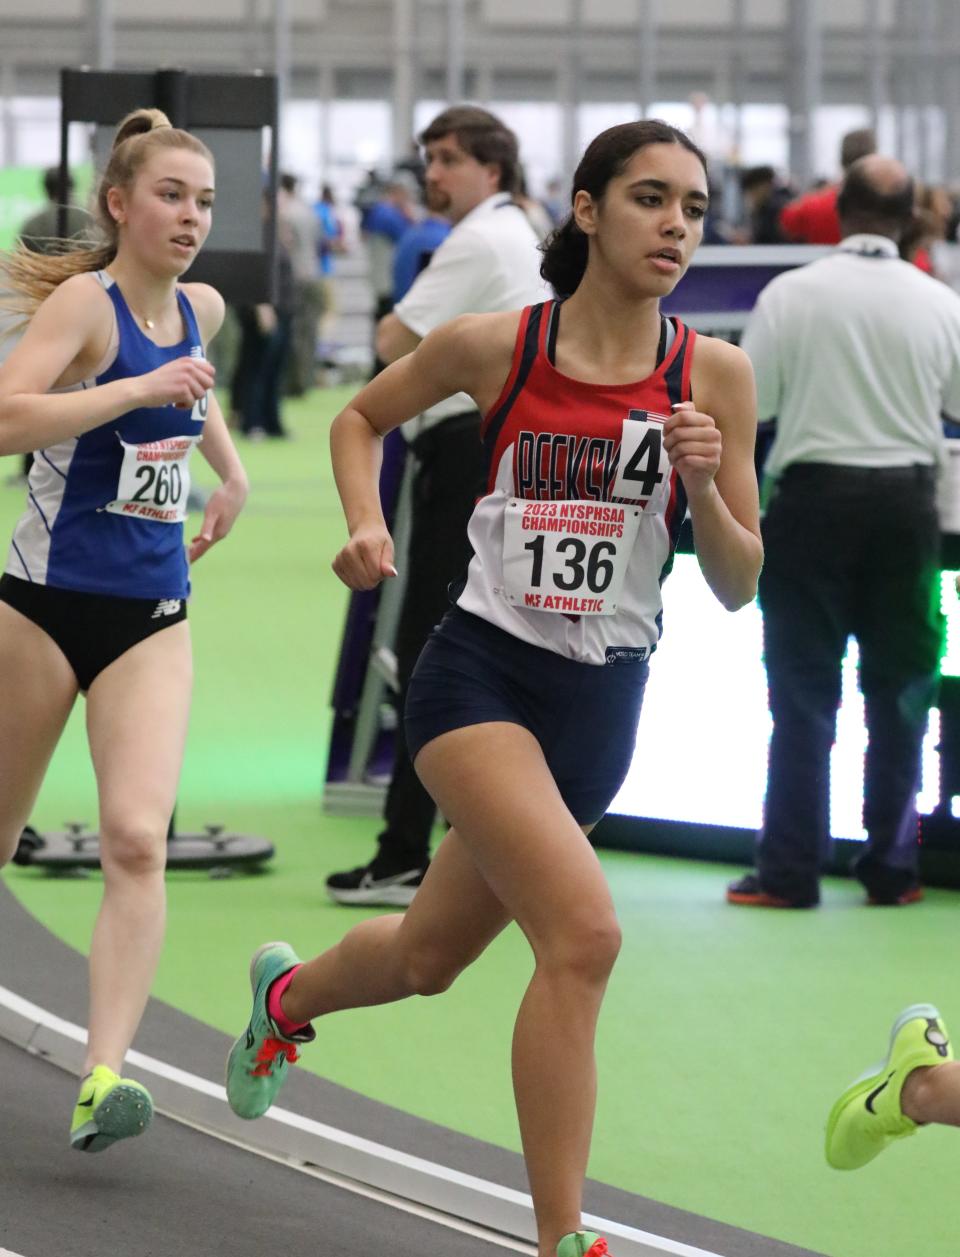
point(567, 557)
point(155, 480)
point(643, 473)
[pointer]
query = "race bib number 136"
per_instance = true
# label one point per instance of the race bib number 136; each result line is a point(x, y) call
point(567, 557)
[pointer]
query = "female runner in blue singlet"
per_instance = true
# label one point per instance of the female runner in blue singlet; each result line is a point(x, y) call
point(603, 422)
point(110, 386)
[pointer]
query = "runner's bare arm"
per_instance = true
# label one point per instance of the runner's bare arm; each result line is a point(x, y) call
point(226, 501)
point(217, 445)
point(724, 506)
point(209, 308)
point(471, 354)
point(66, 329)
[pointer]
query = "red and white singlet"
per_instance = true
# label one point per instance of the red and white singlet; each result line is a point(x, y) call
point(578, 525)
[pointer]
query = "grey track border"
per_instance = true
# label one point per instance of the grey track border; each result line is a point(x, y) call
point(327, 1125)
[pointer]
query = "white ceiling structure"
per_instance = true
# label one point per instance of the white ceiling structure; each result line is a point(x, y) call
point(802, 53)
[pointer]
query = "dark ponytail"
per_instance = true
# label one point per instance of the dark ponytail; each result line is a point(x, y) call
point(566, 250)
point(565, 253)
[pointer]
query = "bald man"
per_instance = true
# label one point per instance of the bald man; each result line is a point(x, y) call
point(856, 356)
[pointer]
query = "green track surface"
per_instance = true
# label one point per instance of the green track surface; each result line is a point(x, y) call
point(726, 1034)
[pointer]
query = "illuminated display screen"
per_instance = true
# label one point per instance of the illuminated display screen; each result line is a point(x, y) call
point(701, 752)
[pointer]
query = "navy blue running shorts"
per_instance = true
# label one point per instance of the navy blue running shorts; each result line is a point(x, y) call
point(583, 715)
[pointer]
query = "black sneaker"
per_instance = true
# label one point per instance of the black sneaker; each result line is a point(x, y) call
point(379, 882)
point(747, 892)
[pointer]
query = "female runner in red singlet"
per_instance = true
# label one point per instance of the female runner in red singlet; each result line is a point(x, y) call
point(603, 420)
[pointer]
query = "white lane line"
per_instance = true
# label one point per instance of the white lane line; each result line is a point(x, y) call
point(418, 1167)
point(5, 1252)
point(369, 1193)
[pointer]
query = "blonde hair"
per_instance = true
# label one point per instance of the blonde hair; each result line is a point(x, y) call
point(31, 277)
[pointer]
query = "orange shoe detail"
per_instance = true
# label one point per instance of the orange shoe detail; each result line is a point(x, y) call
point(271, 1049)
point(758, 900)
point(913, 894)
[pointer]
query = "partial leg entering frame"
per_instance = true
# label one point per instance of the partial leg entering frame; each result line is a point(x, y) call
point(537, 861)
point(916, 1083)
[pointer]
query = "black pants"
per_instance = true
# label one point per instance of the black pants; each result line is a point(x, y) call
point(848, 551)
point(381, 309)
point(447, 482)
point(256, 388)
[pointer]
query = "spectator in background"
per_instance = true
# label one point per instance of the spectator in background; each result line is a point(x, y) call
point(265, 332)
point(330, 241)
point(763, 197)
point(857, 356)
point(813, 218)
point(554, 203)
point(382, 223)
point(413, 164)
point(932, 216)
point(536, 212)
point(301, 233)
point(415, 249)
point(41, 232)
point(952, 233)
point(918, 239)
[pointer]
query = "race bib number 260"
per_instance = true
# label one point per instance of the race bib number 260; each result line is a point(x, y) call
point(568, 557)
point(155, 480)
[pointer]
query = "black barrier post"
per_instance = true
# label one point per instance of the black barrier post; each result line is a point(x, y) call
point(171, 96)
point(63, 187)
point(228, 112)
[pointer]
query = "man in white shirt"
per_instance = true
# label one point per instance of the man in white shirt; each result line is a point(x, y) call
point(490, 262)
point(302, 232)
point(856, 356)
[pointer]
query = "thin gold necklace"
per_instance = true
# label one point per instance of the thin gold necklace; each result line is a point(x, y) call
point(149, 324)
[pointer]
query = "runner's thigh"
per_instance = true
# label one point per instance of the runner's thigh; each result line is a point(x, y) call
point(492, 783)
point(137, 714)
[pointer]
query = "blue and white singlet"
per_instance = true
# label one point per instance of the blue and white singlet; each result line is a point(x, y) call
point(105, 509)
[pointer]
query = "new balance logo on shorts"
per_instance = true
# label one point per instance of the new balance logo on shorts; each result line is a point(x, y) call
point(166, 606)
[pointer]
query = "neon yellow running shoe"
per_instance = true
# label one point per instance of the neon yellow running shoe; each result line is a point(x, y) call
point(108, 1108)
point(868, 1116)
point(582, 1244)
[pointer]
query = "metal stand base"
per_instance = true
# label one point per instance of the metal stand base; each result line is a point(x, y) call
point(354, 798)
point(75, 851)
